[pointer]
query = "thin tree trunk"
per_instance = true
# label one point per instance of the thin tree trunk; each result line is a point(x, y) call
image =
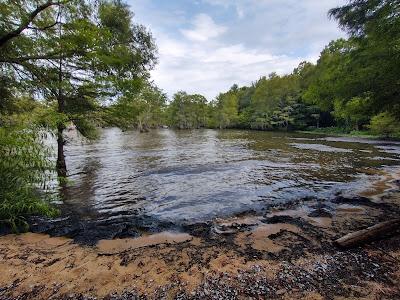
point(61, 165)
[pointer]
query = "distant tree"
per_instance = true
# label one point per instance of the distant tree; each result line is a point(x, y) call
point(227, 109)
point(187, 111)
point(142, 110)
point(385, 124)
point(275, 102)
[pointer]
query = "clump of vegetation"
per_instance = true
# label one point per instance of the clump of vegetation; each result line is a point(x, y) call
point(25, 171)
point(386, 125)
point(143, 110)
point(187, 111)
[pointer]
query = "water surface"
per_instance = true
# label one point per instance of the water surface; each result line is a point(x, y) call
point(192, 176)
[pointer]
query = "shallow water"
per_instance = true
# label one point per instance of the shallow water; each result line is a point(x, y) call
point(192, 176)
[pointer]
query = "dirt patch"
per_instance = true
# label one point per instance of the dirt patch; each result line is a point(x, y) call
point(261, 239)
point(387, 181)
point(120, 245)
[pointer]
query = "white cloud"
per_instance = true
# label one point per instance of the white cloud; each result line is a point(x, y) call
point(204, 29)
point(211, 68)
point(206, 50)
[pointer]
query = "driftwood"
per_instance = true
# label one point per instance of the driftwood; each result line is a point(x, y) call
point(371, 233)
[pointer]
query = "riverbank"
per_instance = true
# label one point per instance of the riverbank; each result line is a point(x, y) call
point(287, 252)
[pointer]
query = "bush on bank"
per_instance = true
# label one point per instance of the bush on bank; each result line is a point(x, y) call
point(25, 171)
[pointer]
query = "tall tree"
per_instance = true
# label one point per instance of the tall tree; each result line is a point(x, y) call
point(143, 110)
point(374, 58)
point(227, 108)
point(74, 54)
point(187, 111)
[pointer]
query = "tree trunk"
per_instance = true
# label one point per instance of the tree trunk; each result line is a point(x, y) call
point(140, 126)
point(61, 165)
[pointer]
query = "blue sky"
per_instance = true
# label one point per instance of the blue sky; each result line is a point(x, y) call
point(205, 46)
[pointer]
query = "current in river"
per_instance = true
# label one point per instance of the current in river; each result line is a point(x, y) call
point(195, 176)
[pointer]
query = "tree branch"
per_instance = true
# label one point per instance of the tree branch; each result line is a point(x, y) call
point(45, 27)
point(24, 24)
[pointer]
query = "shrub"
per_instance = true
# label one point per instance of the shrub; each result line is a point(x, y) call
point(385, 125)
point(25, 171)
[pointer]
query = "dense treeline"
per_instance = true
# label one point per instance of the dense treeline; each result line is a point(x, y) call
point(354, 85)
point(272, 103)
point(143, 110)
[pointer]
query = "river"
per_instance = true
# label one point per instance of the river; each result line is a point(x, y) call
point(180, 177)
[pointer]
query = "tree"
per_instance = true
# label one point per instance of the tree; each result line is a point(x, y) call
point(227, 107)
point(374, 28)
point(355, 112)
point(187, 111)
point(144, 110)
point(74, 53)
point(276, 102)
point(385, 124)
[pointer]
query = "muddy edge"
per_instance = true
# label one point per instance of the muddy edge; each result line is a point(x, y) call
point(285, 252)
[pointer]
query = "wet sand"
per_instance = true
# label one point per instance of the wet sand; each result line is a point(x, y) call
point(120, 245)
point(285, 253)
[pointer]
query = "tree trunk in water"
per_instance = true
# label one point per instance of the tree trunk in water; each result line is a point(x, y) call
point(140, 127)
point(61, 165)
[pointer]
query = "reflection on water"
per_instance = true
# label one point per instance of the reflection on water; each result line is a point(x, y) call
point(181, 176)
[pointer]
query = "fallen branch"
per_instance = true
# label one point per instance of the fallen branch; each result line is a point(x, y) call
point(371, 233)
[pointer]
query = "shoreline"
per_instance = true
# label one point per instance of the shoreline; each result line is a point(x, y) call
point(358, 134)
point(286, 252)
point(353, 134)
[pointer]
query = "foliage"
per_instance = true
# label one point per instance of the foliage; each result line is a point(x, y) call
point(25, 170)
point(268, 104)
point(187, 111)
point(386, 125)
point(74, 54)
point(227, 108)
point(143, 111)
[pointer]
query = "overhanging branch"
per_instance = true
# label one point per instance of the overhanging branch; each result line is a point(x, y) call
point(25, 24)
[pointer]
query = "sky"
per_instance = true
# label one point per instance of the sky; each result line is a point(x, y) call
point(206, 46)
